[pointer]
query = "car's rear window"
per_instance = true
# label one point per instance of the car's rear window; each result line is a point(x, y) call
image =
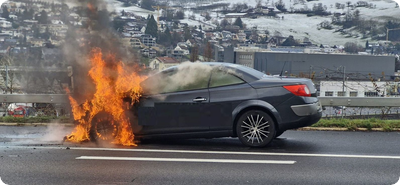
point(223, 78)
point(251, 71)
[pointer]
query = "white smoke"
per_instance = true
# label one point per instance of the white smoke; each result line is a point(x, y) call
point(186, 76)
point(55, 133)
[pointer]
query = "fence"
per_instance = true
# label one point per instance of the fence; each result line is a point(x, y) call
point(361, 107)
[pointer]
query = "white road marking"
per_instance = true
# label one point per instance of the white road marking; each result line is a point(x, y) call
point(218, 152)
point(186, 160)
point(238, 153)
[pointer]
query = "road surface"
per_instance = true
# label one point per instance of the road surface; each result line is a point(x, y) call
point(32, 155)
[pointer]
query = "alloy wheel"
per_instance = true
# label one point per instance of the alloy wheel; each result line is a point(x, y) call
point(255, 128)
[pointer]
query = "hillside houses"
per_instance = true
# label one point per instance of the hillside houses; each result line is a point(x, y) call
point(183, 39)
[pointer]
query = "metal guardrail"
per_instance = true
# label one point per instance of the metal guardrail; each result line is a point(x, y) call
point(33, 69)
point(360, 101)
point(34, 98)
point(325, 101)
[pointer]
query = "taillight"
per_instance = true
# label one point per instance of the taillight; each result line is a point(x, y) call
point(298, 90)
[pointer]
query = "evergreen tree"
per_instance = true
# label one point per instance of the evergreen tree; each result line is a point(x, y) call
point(36, 31)
point(165, 37)
point(238, 22)
point(180, 15)
point(25, 39)
point(43, 19)
point(280, 6)
point(176, 38)
point(289, 41)
point(119, 24)
point(151, 27)
point(224, 23)
point(31, 12)
point(46, 35)
point(168, 35)
point(53, 7)
point(6, 13)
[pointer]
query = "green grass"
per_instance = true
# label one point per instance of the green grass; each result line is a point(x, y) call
point(41, 119)
point(350, 124)
point(354, 124)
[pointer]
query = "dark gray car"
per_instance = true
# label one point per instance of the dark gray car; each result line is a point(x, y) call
point(207, 100)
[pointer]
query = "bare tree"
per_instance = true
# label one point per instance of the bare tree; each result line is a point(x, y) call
point(194, 54)
point(208, 52)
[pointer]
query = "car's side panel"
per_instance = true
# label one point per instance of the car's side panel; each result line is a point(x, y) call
point(223, 101)
point(174, 112)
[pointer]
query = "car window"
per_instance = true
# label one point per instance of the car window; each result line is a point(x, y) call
point(174, 81)
point(224, 78)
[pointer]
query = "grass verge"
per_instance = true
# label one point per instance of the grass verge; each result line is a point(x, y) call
point(41, 119)
point(354, 124)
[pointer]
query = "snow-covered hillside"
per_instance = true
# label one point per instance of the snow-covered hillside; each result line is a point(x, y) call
point(297, 25)
point(384, 8)
point(301, 26)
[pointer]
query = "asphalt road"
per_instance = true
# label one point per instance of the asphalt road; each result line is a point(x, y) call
point(36, 155)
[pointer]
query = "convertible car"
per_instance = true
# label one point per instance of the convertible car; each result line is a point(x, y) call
point(208, 100)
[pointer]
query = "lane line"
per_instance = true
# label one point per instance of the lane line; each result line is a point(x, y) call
point(239, 153)
point(216, 152)
point(186, 160)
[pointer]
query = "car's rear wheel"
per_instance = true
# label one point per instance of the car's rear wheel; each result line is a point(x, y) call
point(255, 128)
point(103, 127)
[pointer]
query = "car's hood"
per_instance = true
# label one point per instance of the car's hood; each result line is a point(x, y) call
point(278, 81)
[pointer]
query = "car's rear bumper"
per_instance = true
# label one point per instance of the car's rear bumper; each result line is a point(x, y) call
point(306, 114)
point(307, 109)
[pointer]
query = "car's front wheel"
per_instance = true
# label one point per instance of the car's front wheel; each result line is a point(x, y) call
point(255, 128)
point(103, 127)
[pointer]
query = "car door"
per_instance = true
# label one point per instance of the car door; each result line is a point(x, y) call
point(174, 106)
point(227, 90)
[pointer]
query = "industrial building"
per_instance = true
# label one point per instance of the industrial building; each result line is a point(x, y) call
point(318, 66)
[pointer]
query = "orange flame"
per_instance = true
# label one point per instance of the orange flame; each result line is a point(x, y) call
point(113, 81)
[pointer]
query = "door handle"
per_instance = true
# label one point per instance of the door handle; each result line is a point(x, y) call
point(199, 99)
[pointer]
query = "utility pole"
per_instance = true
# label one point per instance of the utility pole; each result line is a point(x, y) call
point(6, 78)
point(344, 78)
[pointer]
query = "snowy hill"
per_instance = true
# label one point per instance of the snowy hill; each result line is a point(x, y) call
point(298, 25)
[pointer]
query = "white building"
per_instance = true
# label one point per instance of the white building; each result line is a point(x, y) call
point(161, 63)
point(359, 89)
point(5, 24)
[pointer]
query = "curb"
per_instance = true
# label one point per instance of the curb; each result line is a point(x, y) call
point(346, 129)
point(36, 124)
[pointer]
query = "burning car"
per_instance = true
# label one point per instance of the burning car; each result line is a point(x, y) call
point(208, 100)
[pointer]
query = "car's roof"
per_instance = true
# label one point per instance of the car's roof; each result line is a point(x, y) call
point(248, 74)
